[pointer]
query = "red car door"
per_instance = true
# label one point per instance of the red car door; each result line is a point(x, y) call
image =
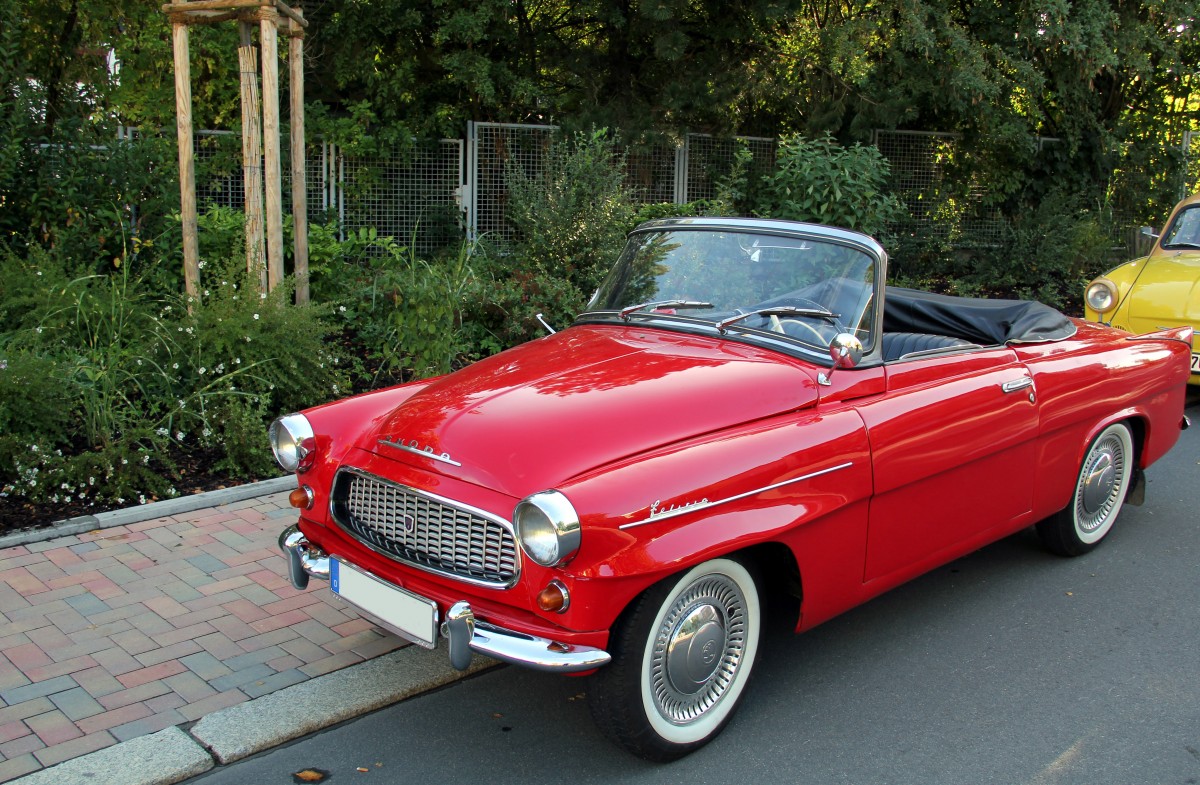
point(952, 443)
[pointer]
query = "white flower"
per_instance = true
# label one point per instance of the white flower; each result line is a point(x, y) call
point(179, 435)
point(161, 432)
point(203, 370)
point(175, 366)
point(256, 316)
point(38, 330)
point(342, 308)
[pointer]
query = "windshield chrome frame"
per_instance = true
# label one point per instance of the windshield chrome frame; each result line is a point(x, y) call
point(757, 337)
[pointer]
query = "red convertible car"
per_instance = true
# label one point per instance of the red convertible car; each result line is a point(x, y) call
point(745, 413)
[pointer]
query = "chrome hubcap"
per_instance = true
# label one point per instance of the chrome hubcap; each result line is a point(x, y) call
point(694, 652)
point(1100, 484)
point(698, 649)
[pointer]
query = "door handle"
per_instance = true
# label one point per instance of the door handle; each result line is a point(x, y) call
point(1017, 384)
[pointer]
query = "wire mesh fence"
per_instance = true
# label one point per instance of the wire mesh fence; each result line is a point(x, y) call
point(709, 160)
point(939, 203)
point(410, 194)
point(491, 149)
point(431, 192)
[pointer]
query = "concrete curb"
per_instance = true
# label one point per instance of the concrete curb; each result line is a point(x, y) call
point(146, 512)
point(174, 755)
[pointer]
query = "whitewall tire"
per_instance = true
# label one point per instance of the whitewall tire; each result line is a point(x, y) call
point(682, 655)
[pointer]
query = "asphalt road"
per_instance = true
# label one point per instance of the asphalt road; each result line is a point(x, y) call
point(1007, 666)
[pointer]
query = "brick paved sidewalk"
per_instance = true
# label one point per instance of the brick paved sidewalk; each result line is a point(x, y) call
point(121, 632)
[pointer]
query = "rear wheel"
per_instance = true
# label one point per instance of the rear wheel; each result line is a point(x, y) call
point(681, 657)
point(1099, 494)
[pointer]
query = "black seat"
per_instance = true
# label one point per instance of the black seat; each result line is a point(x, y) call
point(897, 345)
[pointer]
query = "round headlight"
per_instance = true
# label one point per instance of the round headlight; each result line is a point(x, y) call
point(548, 528)
point(1101, 295)
point(292, 442)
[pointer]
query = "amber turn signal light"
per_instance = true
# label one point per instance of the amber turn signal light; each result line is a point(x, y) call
point(301, 498)
point(554, 598)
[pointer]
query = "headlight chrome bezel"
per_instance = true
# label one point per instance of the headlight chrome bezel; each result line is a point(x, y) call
point(1101, 296)
point(292, 442)
point(547, 527)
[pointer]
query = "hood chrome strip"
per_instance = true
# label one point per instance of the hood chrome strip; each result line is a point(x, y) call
point(424, 452)
point(704, 505)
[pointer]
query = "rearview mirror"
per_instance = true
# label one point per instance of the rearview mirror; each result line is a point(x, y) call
point(846, 351)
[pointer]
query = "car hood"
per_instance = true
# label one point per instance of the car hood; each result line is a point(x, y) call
point(1168, 289)
point(535, 416)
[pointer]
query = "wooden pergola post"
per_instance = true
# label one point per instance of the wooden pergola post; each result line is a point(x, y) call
point(268, 39)
point(261, 165)
point(299, 179)
point(187, 160)
point(252, 175)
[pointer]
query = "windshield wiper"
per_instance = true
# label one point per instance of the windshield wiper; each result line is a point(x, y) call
point(780, 310)
point(1173, 246)
point(625, 312)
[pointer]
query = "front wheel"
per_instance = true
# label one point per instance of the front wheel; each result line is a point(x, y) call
point(681, 655)
point(1099, 494)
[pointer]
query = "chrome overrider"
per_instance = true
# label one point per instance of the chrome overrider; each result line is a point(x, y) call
point(460, 627)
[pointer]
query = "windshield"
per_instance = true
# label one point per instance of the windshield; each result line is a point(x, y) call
point(807, 289)
point(1184, 231)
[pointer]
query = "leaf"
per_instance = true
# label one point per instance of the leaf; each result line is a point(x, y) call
point(310, 775)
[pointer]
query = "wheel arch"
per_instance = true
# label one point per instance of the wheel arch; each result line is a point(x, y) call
point(781, 587)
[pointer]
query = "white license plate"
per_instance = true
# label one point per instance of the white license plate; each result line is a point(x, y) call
point(403, 612)
point(1196, 363)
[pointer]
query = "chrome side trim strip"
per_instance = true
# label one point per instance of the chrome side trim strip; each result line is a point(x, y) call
point(706, 504)
point(426, 452)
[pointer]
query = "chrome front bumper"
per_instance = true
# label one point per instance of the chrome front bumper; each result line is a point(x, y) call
point(464, 633)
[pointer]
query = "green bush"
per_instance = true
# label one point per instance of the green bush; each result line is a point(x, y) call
point(572, 214)
point(403, 311)
point(503, 311)
point(133, 380)
point(820, 181)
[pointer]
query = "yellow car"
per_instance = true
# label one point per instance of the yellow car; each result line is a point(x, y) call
point(1158, 290)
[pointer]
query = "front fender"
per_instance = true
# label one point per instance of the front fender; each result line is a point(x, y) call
point(677, 507)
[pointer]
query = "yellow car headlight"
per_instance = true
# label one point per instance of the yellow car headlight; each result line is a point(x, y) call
point(1101, 295)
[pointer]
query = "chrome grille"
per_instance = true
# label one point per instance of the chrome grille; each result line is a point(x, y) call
point(424, 530)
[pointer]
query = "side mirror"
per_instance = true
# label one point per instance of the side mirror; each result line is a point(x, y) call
point(846, 351)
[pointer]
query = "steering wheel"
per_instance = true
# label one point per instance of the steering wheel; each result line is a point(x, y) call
point(780, 325)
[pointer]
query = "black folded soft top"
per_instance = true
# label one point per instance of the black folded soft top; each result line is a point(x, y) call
point(981, 321)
